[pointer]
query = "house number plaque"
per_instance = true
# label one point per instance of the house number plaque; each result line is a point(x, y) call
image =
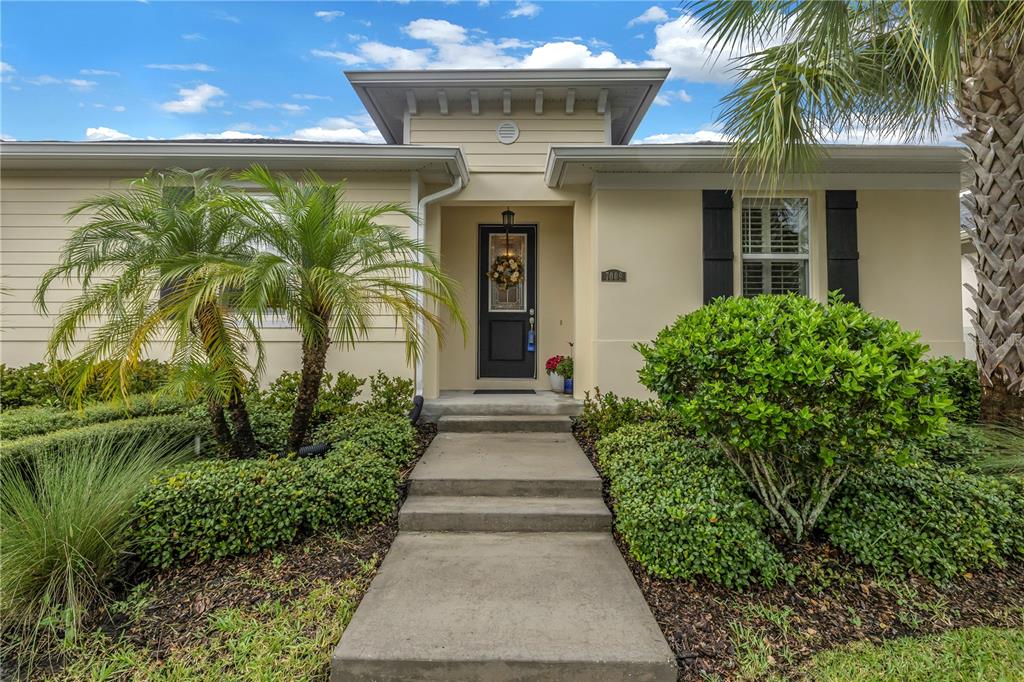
point(613, 276)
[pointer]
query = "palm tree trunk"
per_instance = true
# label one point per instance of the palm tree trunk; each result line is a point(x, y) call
point(314, 359)
point(991, 100)
point(244, 443)
point(221, 432)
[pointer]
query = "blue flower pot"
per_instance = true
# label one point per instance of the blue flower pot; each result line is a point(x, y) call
point(568, 386)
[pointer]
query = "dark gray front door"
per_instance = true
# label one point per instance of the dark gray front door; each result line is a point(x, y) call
point(505, 314)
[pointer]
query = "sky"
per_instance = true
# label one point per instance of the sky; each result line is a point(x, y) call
point(123, 70)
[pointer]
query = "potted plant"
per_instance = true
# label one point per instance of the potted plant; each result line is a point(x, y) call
point(556, 379)
point(564, 369)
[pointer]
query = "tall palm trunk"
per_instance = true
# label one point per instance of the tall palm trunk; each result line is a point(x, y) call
point(220, 425)
point(991, 102)
point(314, 359)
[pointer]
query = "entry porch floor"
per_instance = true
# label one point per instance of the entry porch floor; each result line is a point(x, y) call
point(467, 403)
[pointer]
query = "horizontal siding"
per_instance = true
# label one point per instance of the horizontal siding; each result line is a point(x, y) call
point(33, 230)
point(478, 138)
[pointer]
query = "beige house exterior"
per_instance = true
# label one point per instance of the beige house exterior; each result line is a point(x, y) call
point(619, 239)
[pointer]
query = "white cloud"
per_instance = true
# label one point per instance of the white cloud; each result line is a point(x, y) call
point(681, 138)
point(192, 37)
point(194, 100)
point(340, 130)
point(681, 44)
point(437, 31)
point(308, 96)
point(98, 72)
point(355, 37)
point(257, 104)
point(102, 133)
point(181, 67)
point(294, 108)
point(328, 16)
point(668, 97)
point(119, 108)
point(81, 84)
point(224, 16)
point(44, 79)
point(567, 55)
point(346, 58)
point(7, 138)
point(652, 15)
point(395, 57)
point(524, 8)
point(6, 68)
point(225, 135)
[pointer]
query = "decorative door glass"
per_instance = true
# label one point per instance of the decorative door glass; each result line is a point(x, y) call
point(511, 299)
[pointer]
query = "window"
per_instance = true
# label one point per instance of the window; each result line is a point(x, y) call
point(775, 246)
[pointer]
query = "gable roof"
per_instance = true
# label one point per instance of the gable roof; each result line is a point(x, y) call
point(625, 94)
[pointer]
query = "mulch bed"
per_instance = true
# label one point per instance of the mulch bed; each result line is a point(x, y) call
point(177, 601)
point(832, 602)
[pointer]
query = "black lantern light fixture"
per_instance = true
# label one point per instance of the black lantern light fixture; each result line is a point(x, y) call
point(507, 269)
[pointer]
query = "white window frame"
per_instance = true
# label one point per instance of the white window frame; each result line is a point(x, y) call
point(809, 257)
point(271, 320)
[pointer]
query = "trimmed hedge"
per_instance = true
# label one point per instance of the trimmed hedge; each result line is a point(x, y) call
point(938, 521)
point(31, 421)
point(214, 509)
point(683, 511)
point(41, 384)
point(385, 433)
point(960, 378)
point(605, 413)
point(176, 429)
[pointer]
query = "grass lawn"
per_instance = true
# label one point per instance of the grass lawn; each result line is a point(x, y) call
point(969, 654)
point(274, 616)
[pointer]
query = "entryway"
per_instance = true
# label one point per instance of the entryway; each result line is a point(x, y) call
point(507, 301)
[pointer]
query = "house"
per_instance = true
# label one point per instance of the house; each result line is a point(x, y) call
point(617, 240)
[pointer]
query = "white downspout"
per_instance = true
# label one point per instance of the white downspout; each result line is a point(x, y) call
point(421, 217)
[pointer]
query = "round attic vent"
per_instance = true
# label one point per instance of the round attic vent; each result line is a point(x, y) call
point(508, 132)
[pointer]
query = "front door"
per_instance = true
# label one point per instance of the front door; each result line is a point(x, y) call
point(507, 314)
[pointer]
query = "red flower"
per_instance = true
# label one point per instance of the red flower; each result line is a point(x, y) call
point(552, 364)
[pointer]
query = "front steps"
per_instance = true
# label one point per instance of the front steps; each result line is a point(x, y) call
point(469, 404)
point(504, 569)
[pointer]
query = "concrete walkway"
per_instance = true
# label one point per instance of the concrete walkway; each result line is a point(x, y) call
point(504, 569)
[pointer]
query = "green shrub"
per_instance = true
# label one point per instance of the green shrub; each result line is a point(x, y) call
point(30, 421)
point(606, 413)
point(391, 394)
point(65, 528)
point(798, 393)
point(565, 367)
point(961, 380)
point(935, 520)
point(386, 434)
point(177, 431)
point(682, 512)
point(270, 426)
point(39, 384)
point(959, 445)
point(217, 508)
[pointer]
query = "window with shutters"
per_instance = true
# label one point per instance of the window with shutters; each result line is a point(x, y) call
point(775, 246)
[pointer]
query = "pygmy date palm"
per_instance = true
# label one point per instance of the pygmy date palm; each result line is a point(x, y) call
point(336, 270)
point(903, 69)
point(149, 262)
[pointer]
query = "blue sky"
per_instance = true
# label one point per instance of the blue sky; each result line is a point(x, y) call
point(114, 70)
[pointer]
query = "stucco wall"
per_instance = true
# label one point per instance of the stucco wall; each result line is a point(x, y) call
point(909, 268)
point(478, 139)
point(459, 239)
point(32, 231)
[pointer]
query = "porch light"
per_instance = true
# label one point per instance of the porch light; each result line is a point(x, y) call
point(508, 219)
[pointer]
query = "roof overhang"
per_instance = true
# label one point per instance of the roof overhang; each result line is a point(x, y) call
point(440, 164)
point(625, 94)
point(579, 165)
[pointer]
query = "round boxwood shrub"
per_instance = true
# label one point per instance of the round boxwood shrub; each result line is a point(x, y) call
point(219, 508)
point(682, 511)
point(938, 521)
point(797, 393)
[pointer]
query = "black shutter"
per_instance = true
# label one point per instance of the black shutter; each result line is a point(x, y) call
point(718, 254)
point(841, 240)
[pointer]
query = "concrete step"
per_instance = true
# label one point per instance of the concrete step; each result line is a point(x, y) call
point(468, 404)
point(526, 464)
point(503, 607)
point(514, 424)
point(504, 514)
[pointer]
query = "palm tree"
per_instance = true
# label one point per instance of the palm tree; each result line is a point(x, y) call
point(150, 261)
point(902, 69)
point(332, 268)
